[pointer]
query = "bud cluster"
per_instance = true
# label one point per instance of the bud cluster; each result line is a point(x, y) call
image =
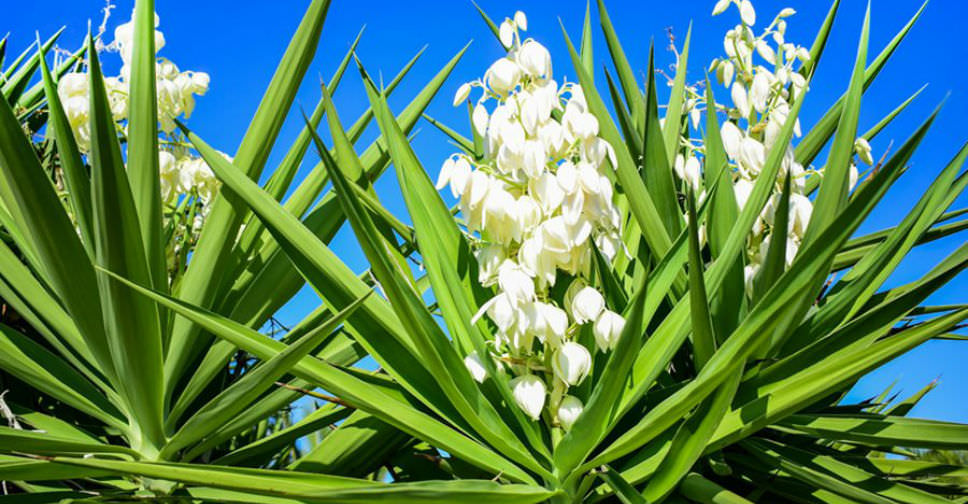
point(533, 205)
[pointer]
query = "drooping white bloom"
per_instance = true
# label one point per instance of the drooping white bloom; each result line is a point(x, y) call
point(572, 362)
point(503, 76)
point(529, 393)
point(760, 92)
point(608, 329)
point(738, 93)
point(586, 304)
point(520, 20)
point(732, 139)
point(721, 6)
point(533, 206)
point(534, 59)
point(742, 188)
point(568, 411)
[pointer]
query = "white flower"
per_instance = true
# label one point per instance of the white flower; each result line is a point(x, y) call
point(742, 188)
point(747, 13)
point(801, 209)
point(760, 92)
point(738, 93)
point(455, 172)
point(572, 362)
point(568, 411)
point(462, 93)
point(786, 12)
point(853, 176)
point(479, 118)
point(863, 149)
point(515, 282)
point(548, 322)
point(489, 259)
point(752, 155)
point(547, 189)
point(534, 158)
point(475, 366)
point(520, 20)
point(690, 173)
point(503, 76)
point(732, 139)
point(529, 394)
point(749, 276)
point(586, 304)
point(535, 59)
point(765, 51)
point(608, 329)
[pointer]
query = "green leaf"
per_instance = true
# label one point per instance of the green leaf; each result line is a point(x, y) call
point(240, 394)
point(40, 443)
point(142, 137)
point(210, 259)
point(76, 180)
point(132, 325)
point(313, 487)
point(882, 430)
point(623, 489)
point(656, 167)
point(47, 373)
point(814, 141)
point(358, 393)
point(633, 95)
point(673, 118)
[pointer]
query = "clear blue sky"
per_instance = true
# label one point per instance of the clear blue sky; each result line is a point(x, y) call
point(239, 43)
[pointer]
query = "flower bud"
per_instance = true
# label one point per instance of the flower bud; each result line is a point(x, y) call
point(721, 7)
point(572, 362)
point(747, 13)
point(506, 34)
point(608, 329)
point(462, 93)
point(568, 411)
point(529, 393)
point(520, 20)
point(863, 149)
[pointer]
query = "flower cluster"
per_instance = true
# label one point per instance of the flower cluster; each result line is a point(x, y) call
point(761, 90)
point(181, 172)
point(533, 205)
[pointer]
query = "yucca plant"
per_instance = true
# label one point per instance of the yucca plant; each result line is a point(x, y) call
point(623, 309)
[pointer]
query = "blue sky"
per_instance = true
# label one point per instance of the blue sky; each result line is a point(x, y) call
point(239, 42)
